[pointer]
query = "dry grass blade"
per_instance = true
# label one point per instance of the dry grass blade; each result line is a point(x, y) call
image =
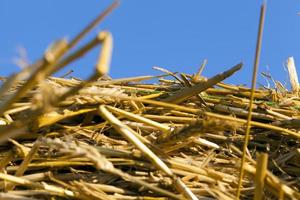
point(197, 76)
point(257, 124)
point(186, 93)
point(132, 116)
point(169, 73)
point(46, 65)
point(93, 24)
point(253, 85)
point(105, 138)
point(127, 133)
point(102, 163)
point(197, 128)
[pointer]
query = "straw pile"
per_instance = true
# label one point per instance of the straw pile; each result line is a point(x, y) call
point(179, 138)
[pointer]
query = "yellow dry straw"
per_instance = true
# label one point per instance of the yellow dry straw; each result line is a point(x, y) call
point(255, 69)
point(188, 92)
point(105, 53)
point(278, 129)
point(40, 73)
point(127, 133)
point(102, 67)
point(141, 119)
point(260, 175)
point(44, 186)
point(24, 165)
point(47, 65)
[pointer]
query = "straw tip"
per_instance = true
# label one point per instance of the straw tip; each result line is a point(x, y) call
point(116, 3)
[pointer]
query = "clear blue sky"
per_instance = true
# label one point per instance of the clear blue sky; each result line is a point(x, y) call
point(176, 35)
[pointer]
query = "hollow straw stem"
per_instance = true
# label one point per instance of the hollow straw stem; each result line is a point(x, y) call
point(254, 76)
point(104, 59)
point(260, 175)
point(292, 71)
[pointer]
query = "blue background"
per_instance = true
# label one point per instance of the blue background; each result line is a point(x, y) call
point(177, 35)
